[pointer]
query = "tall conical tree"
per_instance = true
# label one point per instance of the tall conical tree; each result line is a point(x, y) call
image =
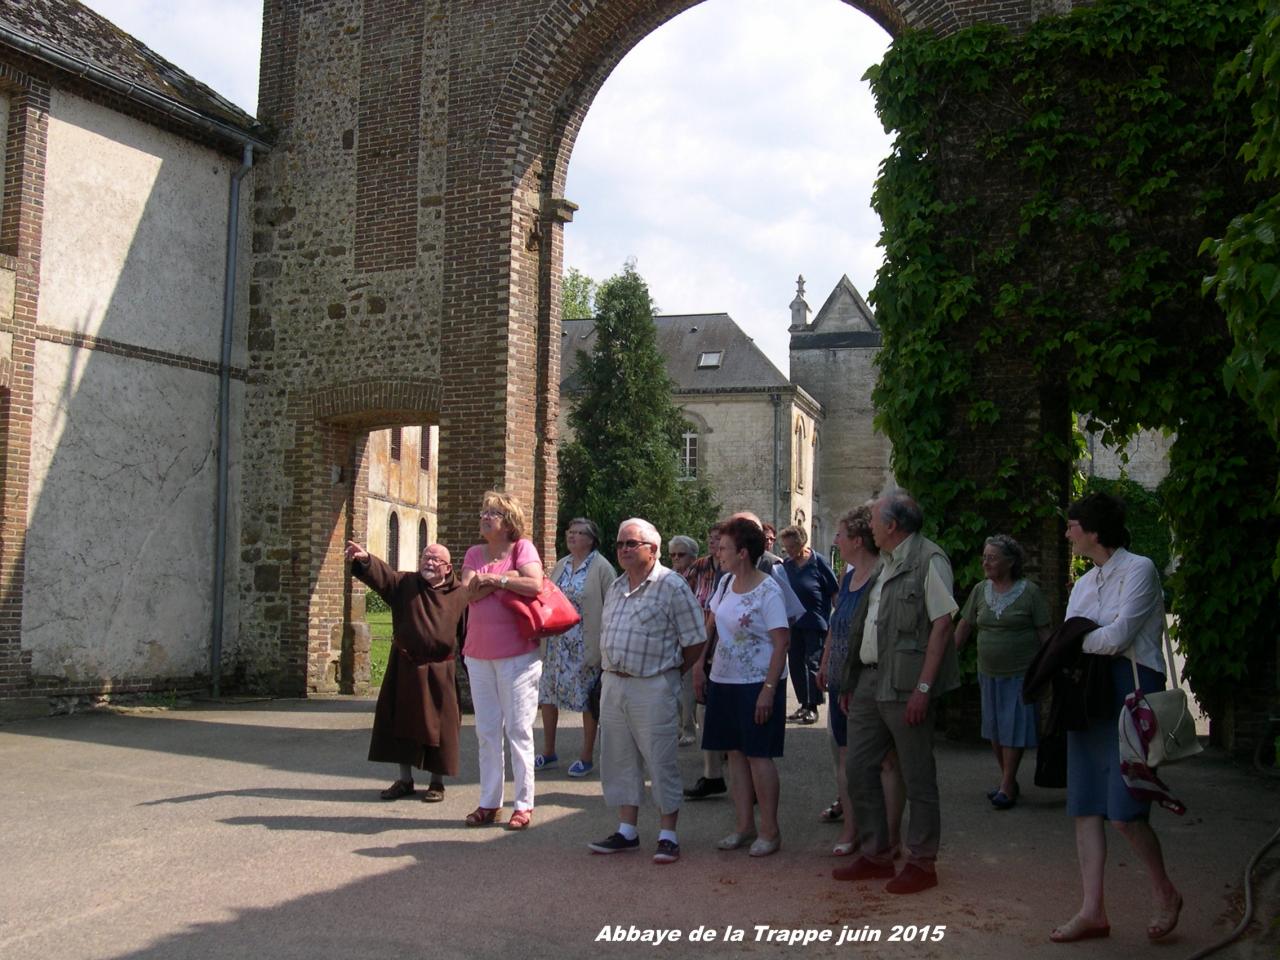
point(624, 459)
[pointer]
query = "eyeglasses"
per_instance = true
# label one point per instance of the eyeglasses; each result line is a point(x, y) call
point(492, 515)
point(682, 553)
point(578, 533)
point(632, 544)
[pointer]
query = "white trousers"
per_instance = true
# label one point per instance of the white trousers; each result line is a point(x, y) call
point(505, 696)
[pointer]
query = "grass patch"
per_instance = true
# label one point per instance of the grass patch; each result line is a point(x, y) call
point(379, 646)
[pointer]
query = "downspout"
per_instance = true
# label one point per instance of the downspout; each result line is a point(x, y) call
point(224, 420)
point(776, 400)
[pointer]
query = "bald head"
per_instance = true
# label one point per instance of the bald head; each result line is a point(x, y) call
point(435, 564)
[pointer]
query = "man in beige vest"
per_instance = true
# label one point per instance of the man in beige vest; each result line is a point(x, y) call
point(901, 659)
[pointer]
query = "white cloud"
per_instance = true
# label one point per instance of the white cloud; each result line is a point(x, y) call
point(732, 149)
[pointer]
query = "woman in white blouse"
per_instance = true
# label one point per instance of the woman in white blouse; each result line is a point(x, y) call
point(1122, 594)
point(744, 694)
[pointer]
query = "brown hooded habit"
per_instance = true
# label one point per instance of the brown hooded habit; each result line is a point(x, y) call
point(417, 718)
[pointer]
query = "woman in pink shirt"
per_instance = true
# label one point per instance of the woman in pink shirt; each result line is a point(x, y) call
point(503, 668)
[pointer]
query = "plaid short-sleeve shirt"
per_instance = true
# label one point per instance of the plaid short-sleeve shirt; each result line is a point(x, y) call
point(644, 631)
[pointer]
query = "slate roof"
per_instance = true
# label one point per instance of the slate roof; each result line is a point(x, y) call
point(681, 340)
point(74, 30)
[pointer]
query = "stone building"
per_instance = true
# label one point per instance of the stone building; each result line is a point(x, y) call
point(833, 360)
point(801, 450)
point(403, 480)
point(752, 430)
point(120, 229)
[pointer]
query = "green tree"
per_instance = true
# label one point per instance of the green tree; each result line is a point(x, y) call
point(577, 295)
point(623, 461)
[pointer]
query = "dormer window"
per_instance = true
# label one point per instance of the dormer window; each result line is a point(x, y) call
point(710, 359)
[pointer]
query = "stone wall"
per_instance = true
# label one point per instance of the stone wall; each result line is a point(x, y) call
point(111, 297)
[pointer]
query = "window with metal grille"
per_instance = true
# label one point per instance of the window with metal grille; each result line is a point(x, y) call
point(393, 541)
point(395, 443)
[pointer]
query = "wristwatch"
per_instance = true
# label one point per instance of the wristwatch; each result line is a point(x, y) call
point(922, 687)
point(503, 583)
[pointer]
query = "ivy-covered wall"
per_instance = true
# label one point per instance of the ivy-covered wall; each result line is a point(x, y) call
point(1044, 208)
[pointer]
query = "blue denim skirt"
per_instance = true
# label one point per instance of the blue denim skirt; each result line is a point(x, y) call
point(1094, 785)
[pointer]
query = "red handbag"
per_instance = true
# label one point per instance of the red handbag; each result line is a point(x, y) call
point(545, 615)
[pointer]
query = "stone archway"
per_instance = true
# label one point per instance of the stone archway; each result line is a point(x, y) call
point(407, 229)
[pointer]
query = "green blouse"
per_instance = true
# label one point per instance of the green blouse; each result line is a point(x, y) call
point(1007, 640)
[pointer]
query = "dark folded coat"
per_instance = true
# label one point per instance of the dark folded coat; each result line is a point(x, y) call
point(1081, 682)
point(417, 719)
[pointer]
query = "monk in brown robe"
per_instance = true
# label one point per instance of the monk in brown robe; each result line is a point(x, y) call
point(417, 720)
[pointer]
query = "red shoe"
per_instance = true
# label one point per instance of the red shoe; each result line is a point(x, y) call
point(520, 820)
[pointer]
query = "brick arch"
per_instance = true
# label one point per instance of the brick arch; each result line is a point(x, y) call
point(324, 641)
point(505, 173)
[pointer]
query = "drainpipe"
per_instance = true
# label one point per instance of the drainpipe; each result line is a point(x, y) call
point(224, 420)
point(776, 400)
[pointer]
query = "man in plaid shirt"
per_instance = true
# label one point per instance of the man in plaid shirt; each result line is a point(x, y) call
point(651, 632)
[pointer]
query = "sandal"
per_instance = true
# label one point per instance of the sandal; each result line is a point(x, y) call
point(480, 816)
point(1077, 929)
point(401, 788)
point(433, 794)
point(520, 820)
point(1165, 919)
point(833, 813)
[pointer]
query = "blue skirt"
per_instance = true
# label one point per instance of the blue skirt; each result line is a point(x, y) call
point(836, 719)
point(730, 720)
point(1094, 785)
point(1006, 720)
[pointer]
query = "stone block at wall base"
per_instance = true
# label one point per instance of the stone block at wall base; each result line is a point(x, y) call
point(26, 708)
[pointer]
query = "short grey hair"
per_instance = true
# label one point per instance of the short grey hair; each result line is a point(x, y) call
point(1012, 551)
point(900, 507)
point(681, 540)
point(591, 528)
point(648, 532)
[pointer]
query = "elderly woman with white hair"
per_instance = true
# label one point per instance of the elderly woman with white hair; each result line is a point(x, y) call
point(683, 551)
point(571, 663)
point(1010, 616)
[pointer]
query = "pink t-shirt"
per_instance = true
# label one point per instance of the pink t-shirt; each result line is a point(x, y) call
point(491, 627)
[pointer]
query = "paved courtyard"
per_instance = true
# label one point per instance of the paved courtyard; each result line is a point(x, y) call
point(254, 829)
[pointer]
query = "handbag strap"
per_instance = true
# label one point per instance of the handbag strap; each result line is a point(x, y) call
point(1170, 665)
point(1169, 661)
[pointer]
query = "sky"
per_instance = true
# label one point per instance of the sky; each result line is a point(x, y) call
point(730, 151)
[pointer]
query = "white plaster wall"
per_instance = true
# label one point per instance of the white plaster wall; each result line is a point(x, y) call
point(120, 545)
point(134, 242)
point(1144, 459)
